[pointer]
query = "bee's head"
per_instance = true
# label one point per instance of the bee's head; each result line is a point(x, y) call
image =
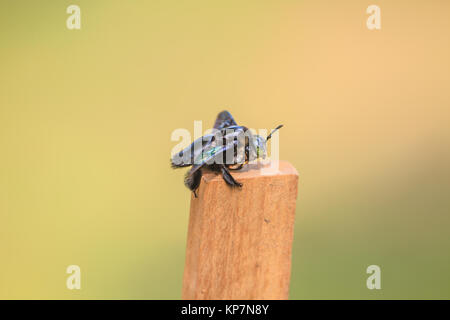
point(260, 144)
point(261, 150)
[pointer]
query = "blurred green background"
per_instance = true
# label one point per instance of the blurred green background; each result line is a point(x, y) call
point(86, 117)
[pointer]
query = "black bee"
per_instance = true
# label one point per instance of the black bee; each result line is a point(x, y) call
point(228, 147)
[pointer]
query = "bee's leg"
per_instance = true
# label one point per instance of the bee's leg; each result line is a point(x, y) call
point(236, 168)
point(229, 178)
point(192, 179)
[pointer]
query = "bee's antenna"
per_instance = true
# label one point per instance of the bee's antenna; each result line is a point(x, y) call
point(270, 135)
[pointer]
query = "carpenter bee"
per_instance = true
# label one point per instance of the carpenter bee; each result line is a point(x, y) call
point(228, 147)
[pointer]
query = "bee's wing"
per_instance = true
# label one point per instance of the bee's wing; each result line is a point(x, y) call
point(203, 149)
point(219, 154)
point(186, 157)
point(224, 120)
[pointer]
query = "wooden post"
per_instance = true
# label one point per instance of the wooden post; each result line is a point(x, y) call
point(240, 240)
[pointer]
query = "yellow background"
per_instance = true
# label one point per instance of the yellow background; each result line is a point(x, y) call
point(86, 117)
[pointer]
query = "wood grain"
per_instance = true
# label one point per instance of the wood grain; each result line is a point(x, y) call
point(240, 240)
